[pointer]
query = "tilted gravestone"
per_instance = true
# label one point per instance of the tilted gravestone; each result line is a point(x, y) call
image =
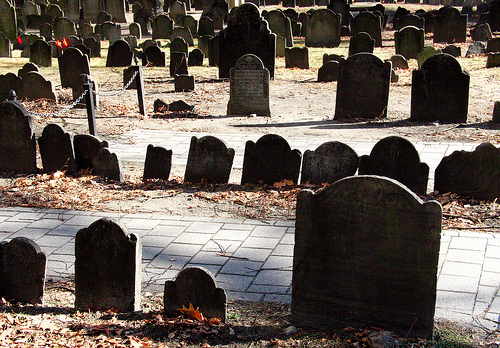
point(28, 67)
point(8, 23)
point(329, 71)
point(297, 57)
point(22, 271)
point(196, 286)
point(86, 147)
point(361, 42)
point(246, 33)
point(481, 32)
point(450, 26)
point(473, 174)
point(396, 158)
point(153, 56)
point(249, 88)
point(409, 41)
point(56, 150)
point(183, 32)
point(63, 28)
point(107, 164)
point(281, 26)
point(209, 160)
point(270, 160)
point(41, 53)
point(158, 163)
point(330, 162)
point(162, 27)
point(5, 46)
point(72, 64)
point(363, 87)
point(440, 91)
point(366, 253)
point(119, 54)
point(17, 139)
point(195, 57)
point(107, 268)
point(322, 29)
point(178, 64)
point(370, 23)
point(34, 86)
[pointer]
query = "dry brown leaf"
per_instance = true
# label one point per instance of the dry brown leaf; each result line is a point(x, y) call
point(191, 312)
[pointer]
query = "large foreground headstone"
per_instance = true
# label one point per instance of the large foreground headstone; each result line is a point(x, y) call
point(366, 253)
point(107, 268)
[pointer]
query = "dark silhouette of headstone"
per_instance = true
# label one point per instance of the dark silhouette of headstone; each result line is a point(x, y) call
point(94, 45)
point(119, 54)
point(450, 26)
point(153, 56)
point(409, 41)
point(369, 23)
point(494, 15)
point(179, 45)
point(361, 42)
point(178, 64)
point(297, 57)
point(409, 19)
point(63, 28)
point(322, 29)
point(493, 45)
point(46, 31)
point(452, 50)
point(496, 112)
point(158, 163)
point(9, 82)
point(72, 64)
point(341, 7)
point(184, 83)
point(206, 26)
point(329, 71)
point(191, 23)
point(481, 32)
point(107, 164)
point(86, 147)
point(270, 160)
point(162, 27)
point(399, 62)
point(34, 86)
point(195, 57)
point(280, 25)
point(135, 29)
point(8, 24)
point(28, 67)
point(366, 253)
point(5, 46)
point(493, 60)
point(183, 32)
point(107, 268)
point(56, 150)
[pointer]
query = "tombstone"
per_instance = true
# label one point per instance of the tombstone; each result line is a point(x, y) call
point(135, 29)
point(107, 164)
point(475, 49)
point(116, 8)
point(142, 18)
point(184, 33)
point(148, 43)
point(136, 6)
point(204, 43)
point(195, 57)
point(103, 17)
point(281, 26)
point(280, 46)
point(158, 163)
point(72, 63)
point(190, 23)
point(119, 54)
point(153, 56)
point(183, 83)
point(71, 9)
point(91, 9)
point(46, 31)
point(363, 87)
point(440, 91)
point(206, 26)
point(85, 30)
point(30, 8)
point(329, 71)
point(196, 286)
point(409, 41)
point(86, 147)
point(162, 27)
point(246, 33)
point(493, 45)
point(22, 271)
point(41, 53)
point(8, 22)
point(369, 23)
point(17, 139)
point(54, 11)
point(63, 28)
point(296, 27)
point(249, 88)
point(34, 86)
point(493, 60)
point(361, 42)
point(494, 15)
point(105, 29)
point(56, 150)
point(399, 62)
point(367, 249)
point(330, 162)
point(409, 19)
point(176, 11)
point(426, 53)
point(481, 32)
point(270, 160)
point(496, 112)
point(107, 268)
point(114, 33)
point(209, 160)
point(323, 29)
point(450, 26)
point(452, 50)
point(341, 7)
point(5, 46)
point(214, 51)
point(94, 46)
point(26, 69)
point(31, 39)
point(9, 82)
point(297, 57)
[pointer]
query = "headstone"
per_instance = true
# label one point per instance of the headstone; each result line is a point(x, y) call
point(249, 88)
point(86, 147)
point(107, 164)
point(183, 32)
point(17, 139)
point(396, 158)
point(409, 41)
point(103, 17)
point(204, 43)
point(72, 63)
point(34, 86)
point(270, 160)
point(9, 82)
point(46, 31)
point(323, 29)
point(341, 7)
point(183, 83)
point(195, 57)
point(369, 23)
point(473, 174)
point(246, 33)
point(94, 46)
point(158, 163)
point(450, 26)
point(119, 54)
point(329, 71)
point(91, 9)
point(363, 87)
point(440, 91)
point(114, 33)
point(8, 22)
point(493, 45)
point(493, 60)
point(107, 268)
point(178, 64)
point(85, 30)
point(409, 19)
point(71, 9)
point(54, 11)
point(116, 8)
point(475, 49)
point(426, 53)
point(297, 57)
point(162, 27)
point(494, 15)
point(366, 249)
point(399, 62)
point(142, 18)
point(190, 23)
point(153, 56)
point(30, 8)
point(41, 53)
point(361, 42)
point(281, 26)
point(327, 57)
point(63, 28)
point(209, 160)
point(5, 46)
point(496, 112)
point(481, 32)
point(179, 45)
point(26, 69)
point(22, 271)
point(330, 162)
point(214, 51)
point(196, 286)
point(135, 29)
point(206, 27)
point(452, 50)
point(176, 11)
point(56, 150)
point(280, 46)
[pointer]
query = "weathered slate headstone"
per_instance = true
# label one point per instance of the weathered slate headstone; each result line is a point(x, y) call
point(494, 15)
point(369, 23)
point(71, 9)
point(153, 56)
point(46, 31)
point(206, 26)
point(363, 87)
point(396, 158)
point(496, 112)
point(177, 11)
point(184, 83)
point(8, 22)
point(56, 150)
point(72, 63)
point(493, 60)
point(281, 26)
point(323, 29)
point(119, 54)
point(329, 71)
point(450, 26)
point(361, 42)
point(452, 50)
point(366, 250)
point(270, 160)
point(440, 91)
point(297, 57)
point(103, 17)
point(330, 162)
point(22, 271)
point(63, 28)
point(190, 23)
point(26, 69)
point(481, 32)
point(341, 7)
point(54, 10)
point(41, 53)
point(409, 19)
point(107, 268)
point(5, 46)
point(158, 163)
point(179, 45)
point(162, 27)
point(135, 29)
point(86, 147)
point(209, 160)
point(9, 82)
point(249, 88)
point(107, 164)
point(34, 86)
point(475, 49)
point(399, 62)
point(409, 41)
point(426, 53)
point(94, 45)
point(178, 64)
point(195, 57)
point(183, 32)
point(493, 45)
point(116, 8)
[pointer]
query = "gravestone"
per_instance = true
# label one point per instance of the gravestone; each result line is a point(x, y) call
point(481, 32)
point(493, 45)
point(204, 43)
point(322, 29)
point(158, 163)
point(153, 56)
point(473, 174)
point(206, 26)
point(8, 22)
point(399, 62)
point(409, 19)
point(452, 50)
point(162, 27)
point(107, 164)
point(176, 11)
point(34, 86)
point(496, 112)
point(85, 30)
point(54, 11)
point(179, 45)
point(107, 268)
point(493, 60)
point(9, 82)
point(94, 46)
point(196, 286)
point(41, 53)
point(63, 28)
point(132, 41)
point(135, 29)
point(72, 63)
point(22, 271)
point(361, 42)
point(209, 160)
point(103, 17)
point(246, 33)
point(5, 46)
point(30, 8)
point(341, 7)
point(396, 158)
point(178, 64)
point(327, 57)
point(56, 150)
point(270, 160)
point(366, 249)
point(475, 49)
point(213, 51)
point(86, 147)
point(280, 46)
point(119, 54)
point(281, 26)
point(46, 31)
point(190, 23)
point(82, 48)
point(409, 41)
point(440, 91)
point(116, 8)
point(17, 139)
point(330, 162)
point(363, 87)
point(450, 26)
point(26, 69)
point(91, 9)
point(369, 23)
point(249, 88)
point(183, 32)
point(183, 83)
point(114, 32)
point(71, 9)
point(297, 57)
point(329, 71)
point(494, 15)
point(195, 57)
point(426, 53)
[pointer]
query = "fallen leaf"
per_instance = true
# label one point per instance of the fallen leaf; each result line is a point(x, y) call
point(191, 312)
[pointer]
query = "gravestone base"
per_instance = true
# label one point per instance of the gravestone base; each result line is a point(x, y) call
point(493, 60)
point(184, 83)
